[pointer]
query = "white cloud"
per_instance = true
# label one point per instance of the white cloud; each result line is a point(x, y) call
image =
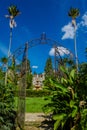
point(34, 67)
point(68, 31)
point(52, 52)
point(62, 51)
point(84, 19)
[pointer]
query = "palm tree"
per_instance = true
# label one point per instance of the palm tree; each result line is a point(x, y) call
point(13, 12)
point(74, 13)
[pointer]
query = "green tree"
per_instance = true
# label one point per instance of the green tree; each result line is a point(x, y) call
point(48, 72)
point(29, 75)
point(67, 62)
point(29, 80)
point(74, 13)
point(29, 66)
point(48, 68)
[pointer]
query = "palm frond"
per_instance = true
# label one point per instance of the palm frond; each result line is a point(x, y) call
point(73, 12)
point(13, 11)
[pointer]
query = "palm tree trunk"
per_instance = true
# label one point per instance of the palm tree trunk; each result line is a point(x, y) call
point(75, 47)
point(9, 49)
point(10, 42)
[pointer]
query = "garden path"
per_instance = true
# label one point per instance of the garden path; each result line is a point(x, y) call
point(37, 121)
point(31, 117)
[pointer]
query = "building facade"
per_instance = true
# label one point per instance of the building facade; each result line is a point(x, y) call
point(38, 80)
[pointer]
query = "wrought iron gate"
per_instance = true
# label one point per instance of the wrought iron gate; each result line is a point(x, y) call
point(22, 90)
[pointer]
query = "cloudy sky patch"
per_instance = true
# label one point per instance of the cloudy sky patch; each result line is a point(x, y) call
point(84, 19)
point(62, 51)
point(34, 67)
point(68, 31)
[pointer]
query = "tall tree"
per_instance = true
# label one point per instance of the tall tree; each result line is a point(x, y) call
point(13, 12)
point(74, 13)
point(48, 68)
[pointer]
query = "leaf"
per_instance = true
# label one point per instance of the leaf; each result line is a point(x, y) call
point(84, 111)
point(59, 119)
point(72, 103)
point(64, 70)
point(59, 116)
point(57, 124)
point(1, 119)
point(63, 80)
point(47, 108)
point(75, 110)
point(63, 122)
point(72, 74)
point(63, 88)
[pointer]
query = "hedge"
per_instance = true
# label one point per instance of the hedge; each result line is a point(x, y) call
point(35, 93)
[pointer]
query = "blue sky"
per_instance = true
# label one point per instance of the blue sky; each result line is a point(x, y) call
point(49, 16)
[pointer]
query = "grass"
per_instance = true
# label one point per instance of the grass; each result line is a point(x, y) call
point(34, 104)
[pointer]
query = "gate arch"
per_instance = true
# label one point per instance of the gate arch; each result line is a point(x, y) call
point(40, 41)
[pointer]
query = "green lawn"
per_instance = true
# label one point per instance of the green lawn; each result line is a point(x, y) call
point(34, 104)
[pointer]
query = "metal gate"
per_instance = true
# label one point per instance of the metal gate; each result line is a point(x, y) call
point(22, 90)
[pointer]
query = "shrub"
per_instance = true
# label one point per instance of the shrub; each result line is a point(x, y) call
point(7, 112)
point(69, 111)
point(35, 93)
